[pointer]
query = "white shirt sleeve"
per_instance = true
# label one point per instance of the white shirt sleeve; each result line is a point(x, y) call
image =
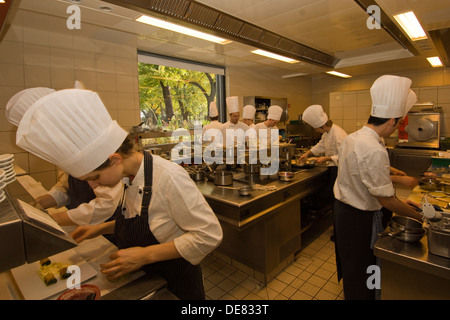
point(192, 214)
point(100, 208)
point(60, 190)
point(374, 172)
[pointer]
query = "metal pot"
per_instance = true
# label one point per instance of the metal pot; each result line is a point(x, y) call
point(409, 224)
point(285, 175)
point(197, 175)
point(223, 178)
point(406, 235)
point(405, 229)
point(429, 184)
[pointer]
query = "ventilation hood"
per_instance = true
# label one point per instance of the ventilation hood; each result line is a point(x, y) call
point(232, 28)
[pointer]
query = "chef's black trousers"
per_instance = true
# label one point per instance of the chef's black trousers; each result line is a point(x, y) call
point(353, 233)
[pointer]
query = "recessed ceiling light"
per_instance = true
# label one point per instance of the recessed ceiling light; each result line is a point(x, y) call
point(408, 21)
point(75, 1)
point(105, 8)
point(177, 28)
point(435, 62)
point(274, 56)
point(2, 1)
point(339, 74)
point(293, 75)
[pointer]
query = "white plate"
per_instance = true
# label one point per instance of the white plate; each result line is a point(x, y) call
point(2, 185)
point(11, 179)
point(6, 157)
point(6, 164)
point(33, 288)
point(2, 197)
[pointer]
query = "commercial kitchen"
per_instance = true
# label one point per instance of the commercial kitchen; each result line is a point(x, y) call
point(278, 241)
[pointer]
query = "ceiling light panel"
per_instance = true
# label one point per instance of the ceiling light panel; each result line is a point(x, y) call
point(408, 21)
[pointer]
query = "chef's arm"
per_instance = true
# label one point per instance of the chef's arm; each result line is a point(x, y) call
point(45, 201)
point(127, 260)
point(407, 181)
point(306, 155)
point(91, 231)
point(399, 207)
point(62, 218)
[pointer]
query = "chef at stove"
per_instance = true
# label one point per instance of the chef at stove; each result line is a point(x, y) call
point(363, 186)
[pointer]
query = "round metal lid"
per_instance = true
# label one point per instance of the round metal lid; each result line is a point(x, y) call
point(421, 129)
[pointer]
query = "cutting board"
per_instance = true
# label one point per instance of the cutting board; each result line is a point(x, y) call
point(33, 288)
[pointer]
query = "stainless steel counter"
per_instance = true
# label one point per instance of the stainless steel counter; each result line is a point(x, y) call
point(242, 211)
point(262, 231)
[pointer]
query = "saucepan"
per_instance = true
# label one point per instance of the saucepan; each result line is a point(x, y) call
point(223, 178)
point(405, 229)
point(243, 191)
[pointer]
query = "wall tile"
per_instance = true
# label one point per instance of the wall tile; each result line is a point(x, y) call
point(38, 165)
point(36, 55)
point(37, 76)
point(428, 94)
point(62, 78)
point(11, 75)
point(443, 94)
point(11, 52)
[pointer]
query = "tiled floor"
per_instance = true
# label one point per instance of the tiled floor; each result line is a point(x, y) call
point(311, 276)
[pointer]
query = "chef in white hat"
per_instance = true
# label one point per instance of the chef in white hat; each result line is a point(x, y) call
point(364, 186)
point(270, 127)
point(213, 130)
point(85, 205)
point(249, 115)
point(332, 136)
point(162, 228)
point(233, 127)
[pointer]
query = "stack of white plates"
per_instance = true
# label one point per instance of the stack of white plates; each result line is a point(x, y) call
point(2, 185)
point(7, 165)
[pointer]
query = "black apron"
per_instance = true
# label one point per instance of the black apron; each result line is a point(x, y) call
point(353, 237)
point(81, 192)
point(183, 279)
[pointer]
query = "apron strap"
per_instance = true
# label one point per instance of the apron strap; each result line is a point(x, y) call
point(148, 174)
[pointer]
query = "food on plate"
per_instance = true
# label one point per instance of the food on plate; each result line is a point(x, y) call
point(49, 279)
point(45, 262)
point(63, 273)
point(86, 292)
point(48, 272)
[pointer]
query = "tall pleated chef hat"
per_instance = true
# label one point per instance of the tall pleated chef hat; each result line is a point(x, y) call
point(232, 104)
point(249, 112)
point(22, 101)
point(72, 129)
point(213, 110)
point(275, 113)
point(410, 101)
point(389, 94)
point(315, 116)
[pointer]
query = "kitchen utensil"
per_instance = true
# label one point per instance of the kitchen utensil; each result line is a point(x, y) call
point(406, 236)
point(243, 191)
point(430, 184)
point(223, 178)
point(285, 175)
point(439, 242)
point(197, 175)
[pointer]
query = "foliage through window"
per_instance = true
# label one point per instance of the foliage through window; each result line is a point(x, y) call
point(172, 98)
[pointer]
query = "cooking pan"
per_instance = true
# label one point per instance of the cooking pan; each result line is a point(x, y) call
point(405, 229)
point(243, 191)
point(223, 178)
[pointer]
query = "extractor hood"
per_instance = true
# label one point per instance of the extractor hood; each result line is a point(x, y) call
point(28, 235)
point(192, 13)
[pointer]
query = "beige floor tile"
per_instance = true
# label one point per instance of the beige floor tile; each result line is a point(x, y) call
point(325, 295)
point(309, 289)
point(300, 295)
point(215, 293)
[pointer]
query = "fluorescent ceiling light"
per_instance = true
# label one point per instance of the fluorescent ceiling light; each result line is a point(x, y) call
point(293, 75)
point(411, 25)
point(338, 74)
point(274, 56)
point(435, 61)
point(174, 27)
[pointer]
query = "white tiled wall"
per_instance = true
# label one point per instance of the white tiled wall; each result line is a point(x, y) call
point(34, 53)
point(351, 109)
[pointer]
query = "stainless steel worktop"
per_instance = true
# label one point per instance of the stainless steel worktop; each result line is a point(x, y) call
point(412, 255)
point(241, 211)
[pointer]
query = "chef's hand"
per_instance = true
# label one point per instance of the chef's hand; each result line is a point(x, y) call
point(397, 172)
point(321, 160)
point(305, 155)
point(407, 181)
point(124, 261)
point(85, 232)
point(413, 203)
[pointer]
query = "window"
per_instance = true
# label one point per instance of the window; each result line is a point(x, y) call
point(176, 93)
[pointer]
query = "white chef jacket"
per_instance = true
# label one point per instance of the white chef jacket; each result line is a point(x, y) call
point(216, 128)
point(363, 171)
point(269, 142)
point(177, 211)
point(95, 211)
point(230, 125)
point(330, 143)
